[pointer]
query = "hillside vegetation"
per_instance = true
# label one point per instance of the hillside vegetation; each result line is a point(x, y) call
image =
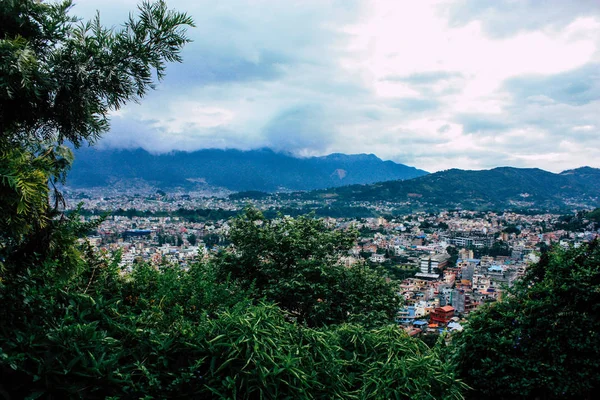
point(498, 188)
point(262, 170)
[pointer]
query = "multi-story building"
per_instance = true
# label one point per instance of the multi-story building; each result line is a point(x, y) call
point(441, 315)
point(433, 264)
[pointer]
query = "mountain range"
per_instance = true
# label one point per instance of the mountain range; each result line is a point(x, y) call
point(235, 170)
point(498, 188)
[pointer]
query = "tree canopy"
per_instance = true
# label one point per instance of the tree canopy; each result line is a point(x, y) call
point(93, 332)
point(60, 77)
point(541, 340)
point(296, 264)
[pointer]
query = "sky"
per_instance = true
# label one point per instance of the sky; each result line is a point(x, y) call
point(436, 84)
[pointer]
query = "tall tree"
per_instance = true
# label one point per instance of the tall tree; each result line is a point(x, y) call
point(541, 340)
point(60, 78)
point(192, 239)
point(295, 263)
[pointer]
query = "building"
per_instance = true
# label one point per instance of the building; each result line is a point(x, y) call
point(467, 239)
point(378, 258)
point(433, 264)
point(462, 301)
point(406, 315)
point(441, 315)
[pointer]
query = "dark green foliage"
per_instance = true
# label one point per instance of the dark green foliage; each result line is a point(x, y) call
point(594, 215)
point(294, 263)
point(495, 189)
point(204, 214)
point(541, 341)
point(400, 272)
point(579, 221)
point(210, 214)
point(25, 177)
point(453, 252)
point(511, 229)
point(150, 343)
point(214, 239)
point(59, 79)
point(76, 327)
point(499, 248)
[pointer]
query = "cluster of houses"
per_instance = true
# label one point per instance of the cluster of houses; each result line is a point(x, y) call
point(440, 295)
point(441, 289)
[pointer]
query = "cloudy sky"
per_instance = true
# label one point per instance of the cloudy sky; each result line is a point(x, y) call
point(435, 84)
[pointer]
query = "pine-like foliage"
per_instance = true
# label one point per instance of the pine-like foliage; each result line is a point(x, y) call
point(59, 76)
point(59, 79)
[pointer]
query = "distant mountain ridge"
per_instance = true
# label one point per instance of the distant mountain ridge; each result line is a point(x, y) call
point(502, 187)
point(236, 170)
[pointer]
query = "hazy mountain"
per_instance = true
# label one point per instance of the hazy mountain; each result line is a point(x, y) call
point(503, 187)
point(263, 170)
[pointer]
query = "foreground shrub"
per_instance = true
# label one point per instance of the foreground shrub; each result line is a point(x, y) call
point(181, 334)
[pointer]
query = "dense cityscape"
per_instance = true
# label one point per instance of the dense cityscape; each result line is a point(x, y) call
point(446, 264)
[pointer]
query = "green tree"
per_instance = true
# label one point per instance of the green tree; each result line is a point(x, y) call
point(294, 263)
point(192, 239)
point(541, 340)
point(453, 252)
point(173, 333)
point(59, 79)
point(511, 229)
point(212, 239)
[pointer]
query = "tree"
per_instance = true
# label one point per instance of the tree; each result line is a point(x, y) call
point(59, 79)
point(192, 239)
point(453, 252)
point(511, 229)
point(295, 263)
point(541, 340)
point(175, 333)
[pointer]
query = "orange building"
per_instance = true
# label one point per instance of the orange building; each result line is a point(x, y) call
point(441, 315)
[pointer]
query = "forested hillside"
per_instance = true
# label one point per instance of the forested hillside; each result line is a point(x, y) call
point(236, 170)
point(498, 188)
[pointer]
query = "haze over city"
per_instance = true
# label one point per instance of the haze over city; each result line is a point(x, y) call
point(433, 84)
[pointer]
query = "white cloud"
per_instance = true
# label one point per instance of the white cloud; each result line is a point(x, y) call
point(420, 82)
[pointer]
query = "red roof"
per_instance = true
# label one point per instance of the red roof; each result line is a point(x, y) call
point(447, 308)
